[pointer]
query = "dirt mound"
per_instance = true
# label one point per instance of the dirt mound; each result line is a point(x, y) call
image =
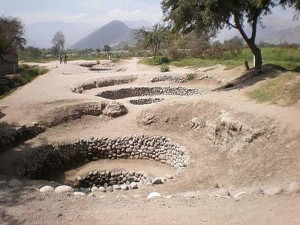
point(71, 112)
point(231, 148)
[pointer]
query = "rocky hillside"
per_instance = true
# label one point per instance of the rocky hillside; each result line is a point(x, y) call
point(113, 34)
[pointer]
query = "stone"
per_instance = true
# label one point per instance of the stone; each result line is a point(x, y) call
point(91, 195)
point(124, 187)
point(273, 191)
point(133, 185)
point(154, 195)
point(63, 189)
point(110, 189)
point(222, 193)
point(158, 180)
point(102, 189)
point(116, 187)
point(169, 176)
point(15, 183)
point(79, 194)
point(115, 109)
point(46, 189)
point(293, 188)
point(3, 183)
point(256, 191)
point(94, 189)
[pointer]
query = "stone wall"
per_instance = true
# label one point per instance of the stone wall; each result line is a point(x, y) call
point(10, 135)
point(175, 79)
point(149, 91)
point(146, 101)
point(103, 83)
point(40, 162)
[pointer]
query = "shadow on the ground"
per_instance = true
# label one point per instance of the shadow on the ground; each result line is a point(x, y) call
point(251, 77)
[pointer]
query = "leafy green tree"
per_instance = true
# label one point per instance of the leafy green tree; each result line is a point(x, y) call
point(208, 16)
point(152, 38)
point(11, 35)
point(107, 48)
point(58, 42)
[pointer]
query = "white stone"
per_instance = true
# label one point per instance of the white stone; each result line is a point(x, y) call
point(169, 196)
point(222, 193)
point(91, 195)
point(158, 180)
point(294, 188)
point(133, 185)
point(94, 189)
point(116, 187)
point(46, 189)
point(15, 183)
point(63, 189)
point(273, 191)
point(256, 191)
point(154, 195)
point(169, 176)
point(124, 187)
point(102, 189)
point(79, 194)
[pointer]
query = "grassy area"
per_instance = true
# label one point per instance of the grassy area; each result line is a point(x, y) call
point(283, 90)
point(289, 58)
point(26, 75)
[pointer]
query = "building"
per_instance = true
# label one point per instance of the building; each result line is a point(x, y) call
point(11, 64)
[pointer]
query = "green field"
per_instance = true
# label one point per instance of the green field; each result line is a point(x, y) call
point(283, 90)
point(289, 58)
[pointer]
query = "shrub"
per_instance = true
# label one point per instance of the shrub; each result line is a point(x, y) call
point(164, 68)
point(191, 76)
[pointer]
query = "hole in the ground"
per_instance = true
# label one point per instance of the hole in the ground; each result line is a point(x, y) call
point(149, 91)
point(100, 69)
point(146, 101)
point(88, 65)
point(46, 161)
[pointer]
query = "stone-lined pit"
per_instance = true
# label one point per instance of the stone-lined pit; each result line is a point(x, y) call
point(103, 83)
point(175, 79)
point(113, 179)
point(146, 101)
point(44, 161)
point(149, 91)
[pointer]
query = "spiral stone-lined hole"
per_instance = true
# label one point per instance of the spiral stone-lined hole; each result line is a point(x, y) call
point(146, 101)
point(44, 161)
point(149, 91)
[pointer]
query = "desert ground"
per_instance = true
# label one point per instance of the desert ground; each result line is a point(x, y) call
point(242, 158)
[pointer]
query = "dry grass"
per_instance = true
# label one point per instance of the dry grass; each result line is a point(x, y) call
point(283, 90)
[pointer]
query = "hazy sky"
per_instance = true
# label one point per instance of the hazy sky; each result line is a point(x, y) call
point(91, 11)
point(103, 11)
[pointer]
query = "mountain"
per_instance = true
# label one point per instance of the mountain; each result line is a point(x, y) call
point(137, 24)
point(40, 34)
point(112, 34)
point(270, 34)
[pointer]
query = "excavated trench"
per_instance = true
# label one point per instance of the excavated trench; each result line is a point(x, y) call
point(149, 91)
point(45, 161)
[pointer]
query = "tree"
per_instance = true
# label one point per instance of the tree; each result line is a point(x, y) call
point(152, 38)
point(58, 42)
point(11, 35)
point(107, 48)
point(208, 16)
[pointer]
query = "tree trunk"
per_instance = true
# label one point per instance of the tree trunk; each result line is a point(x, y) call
point(257, 58)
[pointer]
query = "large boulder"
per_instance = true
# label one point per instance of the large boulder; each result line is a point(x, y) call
point(115, 109)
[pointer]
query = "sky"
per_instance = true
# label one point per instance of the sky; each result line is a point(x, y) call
point(89, 11)
point(103, 11)
point(100, 12)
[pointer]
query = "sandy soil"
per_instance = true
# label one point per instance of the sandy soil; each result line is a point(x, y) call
point(267, 162)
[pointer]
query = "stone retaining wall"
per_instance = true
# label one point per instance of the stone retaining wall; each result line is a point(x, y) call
point(175, 79)
point(42, 161)
point(10, 135)
point(149, 91)
point(103, 83)
point(146, 101)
